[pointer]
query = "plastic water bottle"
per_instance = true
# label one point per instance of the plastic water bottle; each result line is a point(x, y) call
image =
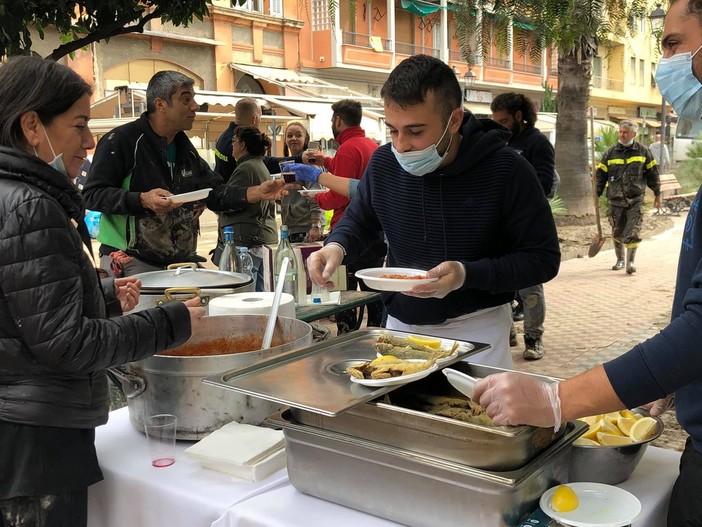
point(246, 262)
point(229, 260)
point(285, 249)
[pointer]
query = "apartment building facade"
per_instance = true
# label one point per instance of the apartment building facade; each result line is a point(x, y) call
point(298, 57)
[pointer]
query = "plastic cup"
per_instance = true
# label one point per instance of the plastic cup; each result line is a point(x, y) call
point(161, 433)
point(288, 175)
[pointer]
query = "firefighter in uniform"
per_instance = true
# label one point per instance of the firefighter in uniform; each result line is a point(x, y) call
point(625, 170)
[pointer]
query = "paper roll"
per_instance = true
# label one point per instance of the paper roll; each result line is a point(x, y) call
point(251, 304)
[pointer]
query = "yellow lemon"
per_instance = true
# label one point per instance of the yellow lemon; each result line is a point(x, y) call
point(643, 429)
point(584, 441)
point(625, 424)
point(628, 414)
point(612, 440)
point(593, 430)
point(611, 417)
point(383, 358)
point(564, 499)
point(425, 341)
point(609, 428)
point(590, 419)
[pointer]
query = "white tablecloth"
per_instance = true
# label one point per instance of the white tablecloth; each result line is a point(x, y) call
point(136, 494)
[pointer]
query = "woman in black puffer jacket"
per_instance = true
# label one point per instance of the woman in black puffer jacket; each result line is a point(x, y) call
point(55, 337)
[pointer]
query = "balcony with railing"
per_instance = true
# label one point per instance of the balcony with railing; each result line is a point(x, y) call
point(492, 62)
point(532, 69)
point(359, 39)
point(606, 83)
point(403, 48)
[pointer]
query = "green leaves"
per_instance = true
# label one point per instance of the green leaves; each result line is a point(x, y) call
point(84, 21)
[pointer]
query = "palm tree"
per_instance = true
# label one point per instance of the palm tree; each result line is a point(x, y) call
point(574, 28)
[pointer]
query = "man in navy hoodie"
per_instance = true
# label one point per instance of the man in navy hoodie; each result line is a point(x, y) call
point(453, 199)
point(669, 363)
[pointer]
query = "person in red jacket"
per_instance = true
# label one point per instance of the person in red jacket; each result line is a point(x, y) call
point(350, 161)
point(355, 150)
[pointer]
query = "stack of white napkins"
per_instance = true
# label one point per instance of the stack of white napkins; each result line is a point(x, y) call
point(245, 451)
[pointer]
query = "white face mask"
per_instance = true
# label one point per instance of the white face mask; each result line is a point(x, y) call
point(421, 162)
point(57, 163)
point(628, 143)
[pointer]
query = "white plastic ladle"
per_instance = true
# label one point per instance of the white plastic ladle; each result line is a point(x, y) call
point(459, 380)
point(270, 326)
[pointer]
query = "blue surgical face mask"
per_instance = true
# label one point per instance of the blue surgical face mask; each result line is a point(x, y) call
point(421, 162)
point(679, 86)
point(57, 163)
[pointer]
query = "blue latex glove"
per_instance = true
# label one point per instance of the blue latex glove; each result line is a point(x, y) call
point(303, 172)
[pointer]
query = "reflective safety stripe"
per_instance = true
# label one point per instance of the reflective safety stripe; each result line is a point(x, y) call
point(603, 167)
point(651, 165)
point(632, 159)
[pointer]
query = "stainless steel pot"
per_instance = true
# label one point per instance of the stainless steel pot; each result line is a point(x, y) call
point(187, 280)
point(173, 384)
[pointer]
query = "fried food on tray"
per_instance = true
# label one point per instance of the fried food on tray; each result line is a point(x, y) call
point(386, 367)
point(406, 349)
point(459, 408)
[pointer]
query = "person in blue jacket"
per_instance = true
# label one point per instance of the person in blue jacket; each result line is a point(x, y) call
point(668, 364)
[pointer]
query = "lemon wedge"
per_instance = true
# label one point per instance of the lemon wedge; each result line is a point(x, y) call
point(425, 341)
point(584, 441)
point(564, 499)
point(612, 440)
point(590, 419)
point(625, 424)
point(643, 429)
point(383, 358)
point(594, 430)
point(628, 414)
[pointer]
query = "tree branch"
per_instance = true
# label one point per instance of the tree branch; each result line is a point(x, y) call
point(119, 27)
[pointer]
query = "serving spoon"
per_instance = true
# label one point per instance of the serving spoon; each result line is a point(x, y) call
point(459, 380)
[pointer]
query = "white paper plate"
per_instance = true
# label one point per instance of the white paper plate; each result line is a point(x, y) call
point(187, 197)
point(392, 381)
point(311, 191)
point(372, 278)
point(600, 505)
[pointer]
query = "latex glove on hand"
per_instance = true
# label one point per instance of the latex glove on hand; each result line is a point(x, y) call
point(451, 276)
point(322, 263)
point(660, 406)
point(517, 399)
point(303, 172)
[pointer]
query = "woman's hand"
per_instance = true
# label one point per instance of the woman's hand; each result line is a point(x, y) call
point(127, 291)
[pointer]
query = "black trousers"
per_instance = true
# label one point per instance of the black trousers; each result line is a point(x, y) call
point(685, 509)
point(66, 510)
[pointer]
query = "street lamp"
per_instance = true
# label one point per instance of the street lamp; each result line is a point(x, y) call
point(657, 18)
point(469, 79)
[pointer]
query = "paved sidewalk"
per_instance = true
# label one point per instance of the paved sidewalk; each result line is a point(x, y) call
point(595, 314)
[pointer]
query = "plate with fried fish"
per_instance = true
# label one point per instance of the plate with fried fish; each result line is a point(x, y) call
point(390, 371)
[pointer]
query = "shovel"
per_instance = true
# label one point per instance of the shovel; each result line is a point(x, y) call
point(599, 240)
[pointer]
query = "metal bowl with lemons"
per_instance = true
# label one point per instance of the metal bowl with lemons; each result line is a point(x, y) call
point(613, 446)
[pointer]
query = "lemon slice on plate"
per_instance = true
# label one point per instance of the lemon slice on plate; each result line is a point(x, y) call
point(425, 341)
point(564, 499)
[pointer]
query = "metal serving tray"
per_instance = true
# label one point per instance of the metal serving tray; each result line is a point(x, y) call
point(416, 489)
point(394, 423)
point(314, 378)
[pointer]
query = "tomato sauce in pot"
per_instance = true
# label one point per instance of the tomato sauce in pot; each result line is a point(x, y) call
point(220, 346)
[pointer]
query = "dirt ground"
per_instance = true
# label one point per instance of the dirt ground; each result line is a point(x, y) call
point(576, 234)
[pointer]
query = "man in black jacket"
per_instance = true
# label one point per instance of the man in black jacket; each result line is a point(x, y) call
point(136, 169)
point(248, 113)
point(517, 113)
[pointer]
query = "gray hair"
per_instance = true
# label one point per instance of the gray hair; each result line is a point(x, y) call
point(631, 125)
point(163, 85)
